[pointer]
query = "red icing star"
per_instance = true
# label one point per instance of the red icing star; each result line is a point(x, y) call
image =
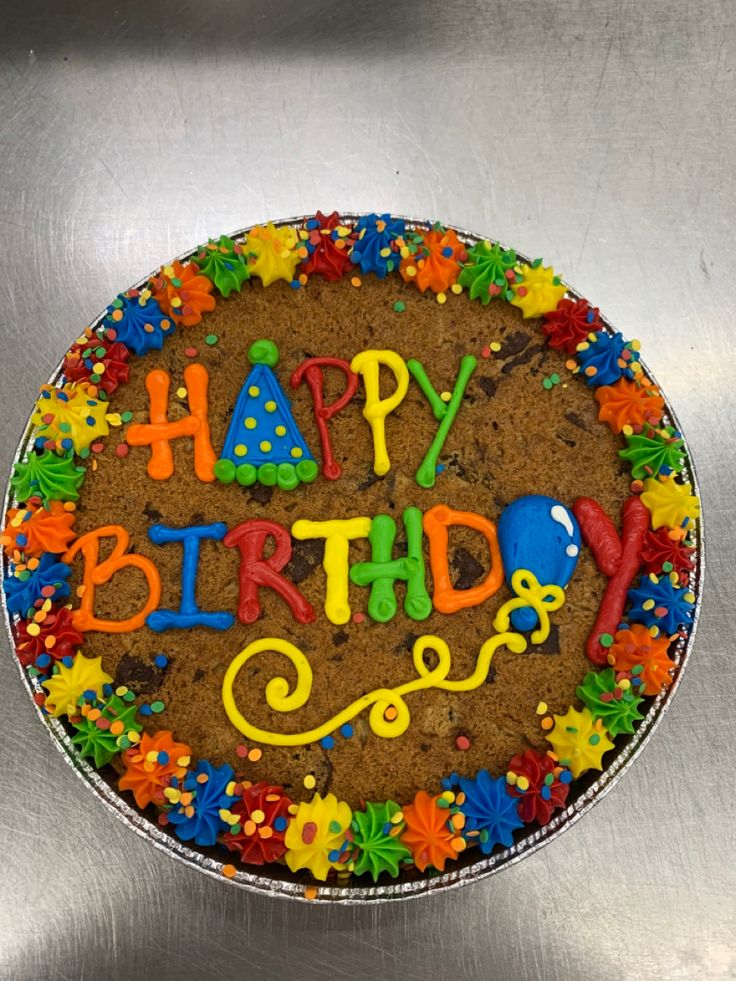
point(258, 809)
point(570, 323)
point(535, 767)
point(659, 548)
point(83, 356)
point(56, 637)
point(328, 255)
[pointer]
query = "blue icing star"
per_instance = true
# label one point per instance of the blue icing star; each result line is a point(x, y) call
point(209, 798)
point(604, 354)
point(490, 809)
point(367, 250)
point(131, 330)
point(24, 588)
point(665, 596)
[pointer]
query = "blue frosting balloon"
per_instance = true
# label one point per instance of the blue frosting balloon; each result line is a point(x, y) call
point(541, 535)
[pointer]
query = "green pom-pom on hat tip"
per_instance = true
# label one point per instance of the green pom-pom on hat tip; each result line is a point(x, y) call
point(263, 352)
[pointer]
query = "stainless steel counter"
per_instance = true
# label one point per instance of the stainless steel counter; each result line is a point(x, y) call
point(599, 135)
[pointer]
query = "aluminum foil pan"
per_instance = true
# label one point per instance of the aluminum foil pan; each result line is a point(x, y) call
point(471, 865)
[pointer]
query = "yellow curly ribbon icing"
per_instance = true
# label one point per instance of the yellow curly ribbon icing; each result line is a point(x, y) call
point(529, 592)
point(67, 686)
point(537, 293)
point(669, 503)
point(272, 252)
point(317, 829)
point(578, 741)
point(368, 364)
point(70, 413)
point(543, 599)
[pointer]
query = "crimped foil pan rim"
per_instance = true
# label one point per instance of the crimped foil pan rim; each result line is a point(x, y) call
point(471, 865)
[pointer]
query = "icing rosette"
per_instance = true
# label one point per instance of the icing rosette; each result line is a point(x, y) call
point(376, 249)
point(263, 817)
point(605, 358)
point(662, 553)
point(629, 403)
point(635, 650)
point(48, 636)
point(328, 242)
point(428, 834)
point(657, 451)
point(200, 802)
point(68, 418)
point(102, 728)
point(48, 476)
point(273, 253)
point(488, 272)
point(540, 785)
point(316, 836)
point(151, 765)
point(377, 845)
point(489, 810)
point(570, 323)
point(579, 741)
point(613, 700)
point(37, 579)
point(659, 602)
point(99, 362)
point(670, 503)
point(137, 321)
point(537, 289)
point(35, 529)
point(431, 258)
point(223, 263)
point(183, 293)
point(69, 683)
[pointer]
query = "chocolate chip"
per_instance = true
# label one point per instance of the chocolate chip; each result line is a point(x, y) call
point(305, 557)
point(566, 440)
point(512, 345)
point(488, 385)
point(468, 570)
point(151, 513)
point(339, 638)
point(524, 358)
point(261, 494)
point(491, 676)
point(575, 419)
point(370, 480)
point(551, 645)
point(424, 747)
point(198, 675)
point(142, 677)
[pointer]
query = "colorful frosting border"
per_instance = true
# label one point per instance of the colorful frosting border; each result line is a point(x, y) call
point(446, 818)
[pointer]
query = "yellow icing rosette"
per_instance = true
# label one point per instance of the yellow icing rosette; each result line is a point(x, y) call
point(315, 838)
point(578, 741)
point(669, 503)
point(70, 417)
point(273, 253)
point(67, 686)
point(539, 291)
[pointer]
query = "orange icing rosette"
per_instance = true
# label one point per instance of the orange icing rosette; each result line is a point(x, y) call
point(34, 529)
point(151, 764)
point(435, 263)
point(629, 403)
point(427, 834)
point(636, 646)
point(183, 293)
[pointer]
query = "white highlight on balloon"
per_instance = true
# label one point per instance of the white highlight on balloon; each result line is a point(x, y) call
point(561, 515)
point(572, 551)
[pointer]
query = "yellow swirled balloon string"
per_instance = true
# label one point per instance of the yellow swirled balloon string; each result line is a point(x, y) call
point(281, 699)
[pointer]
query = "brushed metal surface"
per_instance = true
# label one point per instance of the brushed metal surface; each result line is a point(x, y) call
point(599, 135)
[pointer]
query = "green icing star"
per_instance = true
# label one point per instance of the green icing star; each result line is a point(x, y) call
point(649, 454)
point(378, 851)
point(618, 714)
point(223, 265)
point(48, 476)
point(101, 744)
point(487, 266)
